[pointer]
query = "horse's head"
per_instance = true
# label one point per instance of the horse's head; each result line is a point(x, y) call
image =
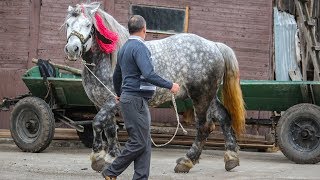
point(84, 26)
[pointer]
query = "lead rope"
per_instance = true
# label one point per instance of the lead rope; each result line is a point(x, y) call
point(85, 65)
point(173, 102)
point(178, 124)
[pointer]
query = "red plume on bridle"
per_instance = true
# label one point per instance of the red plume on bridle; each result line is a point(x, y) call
point(106, 39)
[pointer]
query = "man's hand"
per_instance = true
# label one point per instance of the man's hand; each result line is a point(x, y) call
point(117, 99)
point(175, 88)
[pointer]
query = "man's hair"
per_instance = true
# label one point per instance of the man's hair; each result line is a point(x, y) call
point(136, 24)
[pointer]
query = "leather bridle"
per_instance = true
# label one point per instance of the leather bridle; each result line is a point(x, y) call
point(81, 37)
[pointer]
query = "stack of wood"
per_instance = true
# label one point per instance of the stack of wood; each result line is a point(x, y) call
point(161, 135)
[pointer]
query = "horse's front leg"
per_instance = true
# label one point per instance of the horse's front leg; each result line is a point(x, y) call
point(110, 132)
point(104, 121)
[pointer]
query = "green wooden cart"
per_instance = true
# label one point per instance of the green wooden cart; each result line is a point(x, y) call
point(63, 99)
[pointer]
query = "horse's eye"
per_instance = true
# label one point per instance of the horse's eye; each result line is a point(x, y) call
point(88, 25)
point(67, 25)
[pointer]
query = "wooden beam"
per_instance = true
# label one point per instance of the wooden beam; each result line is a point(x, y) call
point(309, 36)
point(305, 65)
point(186, 20)
point(310, 7)
point(63, 67)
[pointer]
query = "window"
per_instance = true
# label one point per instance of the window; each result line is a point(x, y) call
point(163, 20)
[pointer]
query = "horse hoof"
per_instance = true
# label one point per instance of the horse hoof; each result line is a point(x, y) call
point(231, 164)
point(97, 160)
point(231, 160)
point(98, 165)
point(181, 168)
point(184, 165)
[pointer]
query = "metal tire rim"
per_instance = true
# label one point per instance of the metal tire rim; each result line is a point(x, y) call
point(304, 133)
point(28, 125)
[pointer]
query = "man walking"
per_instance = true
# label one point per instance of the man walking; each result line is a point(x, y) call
point(134, 82)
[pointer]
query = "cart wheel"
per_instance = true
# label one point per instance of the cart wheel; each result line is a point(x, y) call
point(32, 124)
point(298, 133)
point(86, 137)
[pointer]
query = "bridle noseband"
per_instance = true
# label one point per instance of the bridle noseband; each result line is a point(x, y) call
point(81, 37)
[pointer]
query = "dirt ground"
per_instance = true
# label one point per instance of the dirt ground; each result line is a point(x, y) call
point(64, 161)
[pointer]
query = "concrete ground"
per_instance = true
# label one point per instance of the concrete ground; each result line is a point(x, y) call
point(62, 161)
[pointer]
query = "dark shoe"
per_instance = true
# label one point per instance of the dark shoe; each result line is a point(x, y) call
point(104, 172)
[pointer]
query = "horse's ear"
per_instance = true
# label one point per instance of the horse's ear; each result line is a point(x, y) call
point(95, 7)
point(70, 8)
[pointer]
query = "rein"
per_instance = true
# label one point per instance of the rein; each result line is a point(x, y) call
point(173, 102)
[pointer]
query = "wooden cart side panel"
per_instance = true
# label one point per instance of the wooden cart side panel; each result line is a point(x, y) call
point(278, 95)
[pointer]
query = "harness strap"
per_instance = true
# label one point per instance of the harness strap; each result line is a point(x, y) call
point(81, 37)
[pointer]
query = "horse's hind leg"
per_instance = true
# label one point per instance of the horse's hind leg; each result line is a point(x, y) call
point(104, 121)
point(219, 113)
point(204, 127)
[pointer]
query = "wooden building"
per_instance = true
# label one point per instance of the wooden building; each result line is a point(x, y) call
point(32, 29)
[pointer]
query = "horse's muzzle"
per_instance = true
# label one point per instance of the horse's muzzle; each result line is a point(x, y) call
point(73, 52)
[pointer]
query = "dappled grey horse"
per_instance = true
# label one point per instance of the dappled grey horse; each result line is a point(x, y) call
point(197, 64)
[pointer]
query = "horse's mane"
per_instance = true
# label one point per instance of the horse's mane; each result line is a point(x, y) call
point(109, 22)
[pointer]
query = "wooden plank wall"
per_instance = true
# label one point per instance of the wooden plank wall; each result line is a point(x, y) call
point(14, 48)
point(32, 29)
point(246, 26)
point(14, 28)
point(52, 35)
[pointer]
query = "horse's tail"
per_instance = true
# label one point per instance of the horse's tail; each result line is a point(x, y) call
point(231, 91)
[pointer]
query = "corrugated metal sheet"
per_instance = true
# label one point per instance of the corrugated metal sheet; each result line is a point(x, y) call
point(285, 29)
